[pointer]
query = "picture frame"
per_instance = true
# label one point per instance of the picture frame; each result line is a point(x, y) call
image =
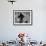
point(22, 17)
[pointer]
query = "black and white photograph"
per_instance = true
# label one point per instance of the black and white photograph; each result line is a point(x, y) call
point(22, 17)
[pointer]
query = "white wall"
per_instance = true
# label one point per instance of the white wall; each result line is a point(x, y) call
point(38, 30)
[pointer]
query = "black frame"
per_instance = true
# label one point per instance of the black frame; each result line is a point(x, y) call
point(23, 24)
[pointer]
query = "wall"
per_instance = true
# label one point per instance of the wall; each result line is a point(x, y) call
point(38, 30)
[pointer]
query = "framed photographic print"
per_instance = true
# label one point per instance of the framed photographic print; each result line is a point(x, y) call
point(22, 17)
